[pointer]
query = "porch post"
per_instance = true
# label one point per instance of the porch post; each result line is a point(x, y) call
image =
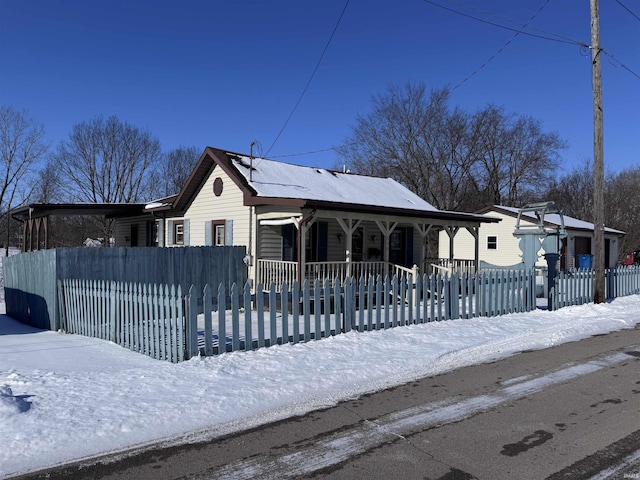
point(303, 226)
point(302, 254)
point(423, 229)
point(451, 231)
point(475, 231)
point(24, 235)
point(46, 232)
point(386, 228)
point(348, 227)
point(30, 247)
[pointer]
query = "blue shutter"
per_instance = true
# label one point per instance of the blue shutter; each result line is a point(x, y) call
point(228, 232)
point(207, 233)
point(186, 231)
point(161, 241)
point(169, 232)
point(409, 246)
point(288, 243)
point(323, 240)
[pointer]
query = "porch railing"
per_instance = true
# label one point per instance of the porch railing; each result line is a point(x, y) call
point(446, 265)
point(278, 272)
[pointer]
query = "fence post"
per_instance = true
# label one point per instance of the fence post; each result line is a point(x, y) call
point(112, 312)
point(610, 284)
point(61, 306)
point(248, 335)
point(192, 323)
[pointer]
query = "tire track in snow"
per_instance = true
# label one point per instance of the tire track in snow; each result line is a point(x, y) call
point(339, 447)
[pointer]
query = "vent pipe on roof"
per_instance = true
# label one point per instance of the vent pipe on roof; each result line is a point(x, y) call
point(251, 160)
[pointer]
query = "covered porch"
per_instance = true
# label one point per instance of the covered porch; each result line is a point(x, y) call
point(329, 244)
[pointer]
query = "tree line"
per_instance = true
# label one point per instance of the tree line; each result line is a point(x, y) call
point(103, 160)
point(454, 159)
point(464, 161)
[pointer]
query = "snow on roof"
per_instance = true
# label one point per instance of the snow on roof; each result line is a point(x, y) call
point(284, 180)
point(569, 222)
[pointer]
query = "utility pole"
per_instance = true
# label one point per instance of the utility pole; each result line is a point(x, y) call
point(598, 158)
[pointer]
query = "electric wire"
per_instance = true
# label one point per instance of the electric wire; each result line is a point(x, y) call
point(304, 90)
point(505, 19)
point(500, 50)
point(627, 9)
point(519, 31)
point(314, 151)
point(619, 63)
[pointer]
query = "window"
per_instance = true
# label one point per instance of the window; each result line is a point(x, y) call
point(492, 242)
point(178, 232)
point(218, 232)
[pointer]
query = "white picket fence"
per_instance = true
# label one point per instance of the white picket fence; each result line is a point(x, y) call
point(315, 310)
point(575, 287)
point(159, 321)
point(144, 318)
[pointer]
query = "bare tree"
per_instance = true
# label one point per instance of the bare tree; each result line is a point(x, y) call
point(22, 145)
point(622, 207)
point(177, 165)
point(515, 158)
point(47, 186)
point(412, 137)
point(573, 192)
point(108, 161)
point(454, 160)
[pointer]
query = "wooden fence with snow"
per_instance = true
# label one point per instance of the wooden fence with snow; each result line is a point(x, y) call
point(162, 322)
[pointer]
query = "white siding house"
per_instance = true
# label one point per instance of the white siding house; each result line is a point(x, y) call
point(498, 246)
point(302, 222)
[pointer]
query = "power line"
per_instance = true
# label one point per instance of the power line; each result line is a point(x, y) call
point(619, 63)
point(627, 9)
point(501, 49)
point(505, 19)
point(518, 31)
point(304, 90)
point(314, 151)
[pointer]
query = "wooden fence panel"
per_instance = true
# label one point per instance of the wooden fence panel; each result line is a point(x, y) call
point(31, 278)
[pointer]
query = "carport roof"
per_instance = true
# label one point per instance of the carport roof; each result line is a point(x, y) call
point(37, 210)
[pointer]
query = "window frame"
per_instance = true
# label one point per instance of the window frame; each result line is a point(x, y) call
point(178, 224)
point(492, 244)
point(217, 225)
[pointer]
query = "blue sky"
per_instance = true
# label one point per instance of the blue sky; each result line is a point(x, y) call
point(226, 73)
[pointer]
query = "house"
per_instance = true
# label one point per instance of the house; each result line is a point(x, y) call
point(297, 222)
point(498, 245)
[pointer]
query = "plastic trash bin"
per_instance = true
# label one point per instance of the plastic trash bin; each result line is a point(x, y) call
point(585, 262)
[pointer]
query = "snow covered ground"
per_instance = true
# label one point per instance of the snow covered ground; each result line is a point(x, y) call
point(67, 397)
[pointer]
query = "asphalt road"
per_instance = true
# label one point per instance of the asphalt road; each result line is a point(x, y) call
point(567, 412)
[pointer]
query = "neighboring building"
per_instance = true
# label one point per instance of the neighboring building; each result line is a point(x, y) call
point(499, 247)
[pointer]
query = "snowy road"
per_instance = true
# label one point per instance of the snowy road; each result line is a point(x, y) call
point(554, 413)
